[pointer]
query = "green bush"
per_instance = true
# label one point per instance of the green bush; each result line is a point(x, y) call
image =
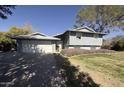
point(6, 43)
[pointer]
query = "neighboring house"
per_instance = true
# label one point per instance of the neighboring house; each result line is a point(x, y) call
point(83, 38)
point(37, 43)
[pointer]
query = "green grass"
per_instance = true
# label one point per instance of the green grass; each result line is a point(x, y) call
point(108, 64)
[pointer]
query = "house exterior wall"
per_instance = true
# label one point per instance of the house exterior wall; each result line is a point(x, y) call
point(59, 44)
point(19, 45)
point(85, 47)
point(36, 46)
point(70, 40)
point(73, 40)
point(94, 41)
point(90, 48)
point(64, 40)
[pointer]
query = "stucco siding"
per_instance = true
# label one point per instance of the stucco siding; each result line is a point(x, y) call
point(73, 40)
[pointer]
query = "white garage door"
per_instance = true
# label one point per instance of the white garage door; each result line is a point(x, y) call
point(37, 46)
point(47, 48)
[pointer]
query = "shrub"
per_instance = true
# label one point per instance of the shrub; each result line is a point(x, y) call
point(106, 47)
point(76, 51)
point(118, 43)
point(6, 43)
point(106, 44)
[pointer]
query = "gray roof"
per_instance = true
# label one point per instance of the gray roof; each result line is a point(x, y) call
point(36, 36)
point(81, 29)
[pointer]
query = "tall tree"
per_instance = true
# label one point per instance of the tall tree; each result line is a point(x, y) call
point(101, 18)
point(15, 31)
point(6, 10)
point(6, 43)
point(3, 38)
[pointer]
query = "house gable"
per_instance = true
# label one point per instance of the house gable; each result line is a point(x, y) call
point(37, 34)
point(84, 29)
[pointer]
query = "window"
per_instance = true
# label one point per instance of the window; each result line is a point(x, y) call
point(78, 35)
point(87, 35)
point(96, 35)
point(100, 36)
point(73, 33)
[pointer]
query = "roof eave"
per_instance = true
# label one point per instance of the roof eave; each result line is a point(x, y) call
point(24, 38)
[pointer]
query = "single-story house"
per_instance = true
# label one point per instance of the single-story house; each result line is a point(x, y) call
point(83, 38)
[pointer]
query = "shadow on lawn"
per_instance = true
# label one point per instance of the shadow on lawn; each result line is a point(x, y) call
point(71, 74)
point(21, 70)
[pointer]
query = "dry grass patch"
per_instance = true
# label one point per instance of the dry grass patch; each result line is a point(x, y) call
point(110, 65)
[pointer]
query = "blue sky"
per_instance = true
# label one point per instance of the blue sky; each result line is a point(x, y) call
point(49, 20)
point(46, 19)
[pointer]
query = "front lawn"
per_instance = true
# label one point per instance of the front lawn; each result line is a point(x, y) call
point(106, 69)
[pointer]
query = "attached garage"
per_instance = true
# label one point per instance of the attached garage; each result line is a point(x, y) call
point(37, 46)
point(37, 43)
